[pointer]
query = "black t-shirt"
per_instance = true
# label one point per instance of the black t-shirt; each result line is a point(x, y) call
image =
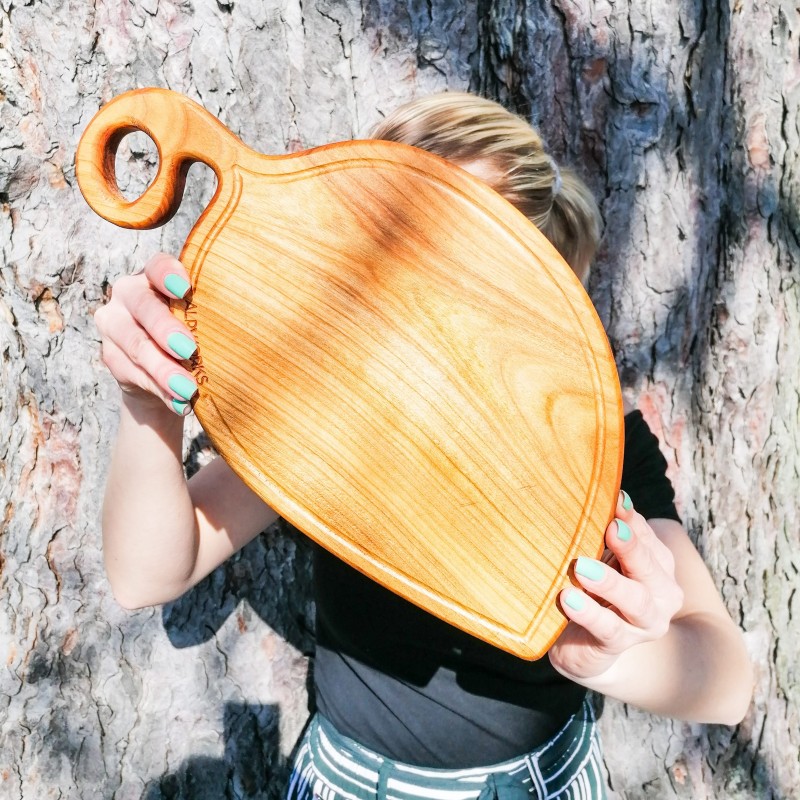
point(408, 685)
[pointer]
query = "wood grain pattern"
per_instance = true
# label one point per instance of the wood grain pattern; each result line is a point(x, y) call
point(393, 357)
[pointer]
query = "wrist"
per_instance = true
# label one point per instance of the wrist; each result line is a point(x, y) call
point(147, 409)
point(141, 402)
point(598, 676)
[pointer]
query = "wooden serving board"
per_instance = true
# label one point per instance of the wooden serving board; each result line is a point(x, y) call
point(393, 357)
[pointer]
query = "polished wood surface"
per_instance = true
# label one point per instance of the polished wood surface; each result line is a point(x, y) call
point(393, 358)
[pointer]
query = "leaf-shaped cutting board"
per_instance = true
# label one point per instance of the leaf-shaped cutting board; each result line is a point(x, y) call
point(393, 357)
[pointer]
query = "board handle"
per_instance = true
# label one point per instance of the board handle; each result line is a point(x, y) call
point(184, 133)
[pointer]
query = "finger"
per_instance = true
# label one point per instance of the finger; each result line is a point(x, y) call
point(636, 522)
point(640, 553)
point(171, 378)
point(150, 310)
point(624, 504)
point(630, 598)
point(628, 514)
point(641, 529)
point(633, 551)
point(168, 276)
point(130, 375)
point(152, 313)
point(612, 633)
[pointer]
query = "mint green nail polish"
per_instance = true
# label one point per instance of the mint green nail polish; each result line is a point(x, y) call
point(589, 568)
point(182, 386)
point(624, 533)
point(179, 407)
point(181, 344)
point(627, 504)
point(575, 600)
point(176, 285)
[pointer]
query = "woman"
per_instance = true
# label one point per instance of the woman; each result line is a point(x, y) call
point(407, 705)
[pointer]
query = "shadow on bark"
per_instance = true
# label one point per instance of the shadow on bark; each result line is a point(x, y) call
point(251, 766)
point(272, 576)
point(272, 573)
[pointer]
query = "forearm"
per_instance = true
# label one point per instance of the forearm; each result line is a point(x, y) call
point(149, 524)
point(699, 671)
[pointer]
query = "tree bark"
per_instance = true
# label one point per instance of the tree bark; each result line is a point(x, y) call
point(683, 118)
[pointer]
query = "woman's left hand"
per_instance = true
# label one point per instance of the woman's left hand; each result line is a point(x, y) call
point(630, 597)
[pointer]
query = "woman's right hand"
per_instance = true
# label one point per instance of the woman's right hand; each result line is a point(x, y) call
point(145, 346)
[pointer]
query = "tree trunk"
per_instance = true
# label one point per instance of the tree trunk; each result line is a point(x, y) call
point(683, 117)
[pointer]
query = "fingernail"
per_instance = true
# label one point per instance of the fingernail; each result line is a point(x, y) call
point(181, 345)
point(179, 407)
point(176, 285)
point(575, 600)
point(627, 503)
point(183, 386)
point(624, 533)
point(589, 568)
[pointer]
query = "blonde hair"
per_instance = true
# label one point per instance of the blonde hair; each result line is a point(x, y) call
point(506, 152)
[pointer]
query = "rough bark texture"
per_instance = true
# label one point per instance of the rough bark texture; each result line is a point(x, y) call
point(682, 116)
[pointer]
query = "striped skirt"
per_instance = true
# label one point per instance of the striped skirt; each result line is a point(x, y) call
point(329, 766)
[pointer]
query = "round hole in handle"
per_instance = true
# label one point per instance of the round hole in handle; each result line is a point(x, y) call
point(184, 133)
point(135, 164)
